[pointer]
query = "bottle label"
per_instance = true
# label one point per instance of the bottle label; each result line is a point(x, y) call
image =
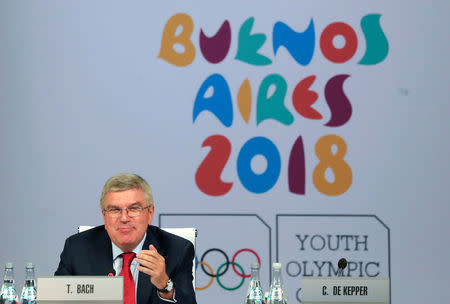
point(276, 295)
point(256, 294)
point(29, 293)
point(9, 294)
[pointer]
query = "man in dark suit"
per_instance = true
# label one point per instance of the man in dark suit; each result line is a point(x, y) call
point(161, 263)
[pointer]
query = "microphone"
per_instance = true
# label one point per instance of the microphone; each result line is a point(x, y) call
point(112, 273)
point(342, 263)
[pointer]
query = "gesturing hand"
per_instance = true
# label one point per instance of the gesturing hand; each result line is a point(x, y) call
point(153, 264)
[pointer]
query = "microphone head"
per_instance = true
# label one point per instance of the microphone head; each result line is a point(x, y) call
point(342, 263)
point(112, 273)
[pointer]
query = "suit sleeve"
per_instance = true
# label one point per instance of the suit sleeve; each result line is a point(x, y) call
point(182, 276)
point(65, 266)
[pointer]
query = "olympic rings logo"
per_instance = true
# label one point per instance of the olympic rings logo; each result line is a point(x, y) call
point(223, 268)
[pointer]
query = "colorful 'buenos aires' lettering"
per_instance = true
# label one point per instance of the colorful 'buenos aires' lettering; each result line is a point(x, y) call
point(220, 103)
point(300, 45)
point(216, 48)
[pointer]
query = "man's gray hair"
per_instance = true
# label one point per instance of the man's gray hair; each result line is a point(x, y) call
point(126, 181)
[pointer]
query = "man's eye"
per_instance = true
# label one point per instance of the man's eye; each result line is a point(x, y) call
point(135, 208)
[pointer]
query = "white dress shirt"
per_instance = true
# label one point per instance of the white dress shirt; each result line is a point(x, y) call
point(118, 263)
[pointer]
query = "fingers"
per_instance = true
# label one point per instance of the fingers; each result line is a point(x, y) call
point(151, 256)
point(153, 264)
point(152, 260)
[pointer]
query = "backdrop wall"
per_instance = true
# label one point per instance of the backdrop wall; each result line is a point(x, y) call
point(291, 131)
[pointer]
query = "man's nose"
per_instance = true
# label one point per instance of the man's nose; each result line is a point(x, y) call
point(124, 215)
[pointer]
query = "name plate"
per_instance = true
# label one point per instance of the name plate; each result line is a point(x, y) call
point(80, 290)
point(345, 290)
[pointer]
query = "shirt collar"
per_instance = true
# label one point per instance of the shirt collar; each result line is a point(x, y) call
point(116, 251)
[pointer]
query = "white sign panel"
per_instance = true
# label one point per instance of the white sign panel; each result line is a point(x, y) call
point(78, 289)
point(345, 290)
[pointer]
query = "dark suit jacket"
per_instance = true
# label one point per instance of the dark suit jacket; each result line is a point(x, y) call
point(90, 253)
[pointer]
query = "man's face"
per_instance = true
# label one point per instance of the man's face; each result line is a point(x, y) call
point(127, 232)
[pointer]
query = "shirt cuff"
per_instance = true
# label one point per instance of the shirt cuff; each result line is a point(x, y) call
point(174, 300)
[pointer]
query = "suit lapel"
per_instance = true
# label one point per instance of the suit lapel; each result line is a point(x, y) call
point(101, 254)
point(145, 288)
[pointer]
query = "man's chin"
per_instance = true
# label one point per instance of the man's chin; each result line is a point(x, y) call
point(127, 244)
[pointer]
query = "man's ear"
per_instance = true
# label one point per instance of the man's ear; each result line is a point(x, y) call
point(151, 210)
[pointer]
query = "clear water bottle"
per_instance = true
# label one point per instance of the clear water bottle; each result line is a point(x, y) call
point(8, 294)
point(29, 293)
point(277, 293)
point(255, 294)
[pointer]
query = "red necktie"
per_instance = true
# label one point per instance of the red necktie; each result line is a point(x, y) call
point(129, 294)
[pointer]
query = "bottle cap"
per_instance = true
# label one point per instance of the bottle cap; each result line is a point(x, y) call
point(29, 265)
point(254, 265)
point(9, 265)
point(276, 265)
